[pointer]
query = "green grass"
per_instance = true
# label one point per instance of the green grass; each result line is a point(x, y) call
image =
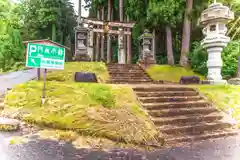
point(225, 97)
point(67, 74)
point(93, 109)
point(169, 73)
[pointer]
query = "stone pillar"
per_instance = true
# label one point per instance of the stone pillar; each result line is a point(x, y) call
point(90, 42)
point(146, 57)
point(214, 20)
point(121, 52)
point(214, 63)
point(81, 51)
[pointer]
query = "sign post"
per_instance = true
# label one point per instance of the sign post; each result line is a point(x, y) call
point(45, 57)
point(238, 74)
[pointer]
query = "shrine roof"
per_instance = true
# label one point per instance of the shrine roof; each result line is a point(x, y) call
point(41, 41)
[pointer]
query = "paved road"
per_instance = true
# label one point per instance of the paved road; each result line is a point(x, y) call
point(36, 149)
point(222, 149)
point(11, 79)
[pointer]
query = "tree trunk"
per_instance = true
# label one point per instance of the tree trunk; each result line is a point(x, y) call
point(79, 8)
point(54, 32)
point(98, 39)
point(121, 10)
point(129, 45)
point(186, 35)
point(102, 37)
point(169, 45)
point(125, 39)
point(109, 39)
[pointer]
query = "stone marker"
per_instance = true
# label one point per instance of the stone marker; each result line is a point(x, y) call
point(189, 80)
point(85, 77)
point(9, 124)
point(234, 81)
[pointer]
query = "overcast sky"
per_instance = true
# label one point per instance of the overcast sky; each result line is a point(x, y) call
point(75, 2)
point(84, 12)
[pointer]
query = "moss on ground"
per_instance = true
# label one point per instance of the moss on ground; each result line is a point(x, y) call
point(93, 109)
point(8, 127)
point(225, 97)
point(169, 73)
point(67, 74)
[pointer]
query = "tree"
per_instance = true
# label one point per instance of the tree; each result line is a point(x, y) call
point(109, 39)
point(234, 26)
point(11, 46)
point(168, 14)
point(186, 34)
point(48, 18)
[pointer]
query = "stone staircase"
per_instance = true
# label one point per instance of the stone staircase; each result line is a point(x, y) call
point(127, 74)
point(1, 102)
point(182, 115)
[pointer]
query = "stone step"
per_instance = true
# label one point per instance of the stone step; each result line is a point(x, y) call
point(169, 99)
point(133, 72)
point(156, 89)
point(124, 67)
point(166, 93)
point(129, 82)
point(189, 119)
point(207, 135)
point(181, 111)
point(194, 129)
point(130, 75)
point(1, 104)
point(1, 99)
point(126, 71)
point(116, 64)
point(176, 105)
point(129, 79)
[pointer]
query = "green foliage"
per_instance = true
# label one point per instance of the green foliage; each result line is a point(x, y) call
point(164, 12)
point(161, 59)
point(92, 109)
point(169, 73)
point(225, 97)
point(40, 16)
point(11, 47)
point(67, 74)
point(198, 59)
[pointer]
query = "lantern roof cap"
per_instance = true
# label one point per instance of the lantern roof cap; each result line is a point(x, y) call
point(216, 12)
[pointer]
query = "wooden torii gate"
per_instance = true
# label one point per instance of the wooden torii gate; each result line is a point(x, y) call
point(106, 28)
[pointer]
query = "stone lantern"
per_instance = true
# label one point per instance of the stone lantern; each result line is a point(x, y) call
point(146, 56)
point(214, 20)
point(81, 50)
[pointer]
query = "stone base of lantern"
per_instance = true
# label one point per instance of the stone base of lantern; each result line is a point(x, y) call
point(146, 62)
point(81, 56)
point(214, 45)
point(214, 82)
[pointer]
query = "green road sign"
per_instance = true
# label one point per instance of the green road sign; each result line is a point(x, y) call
point(44, 56)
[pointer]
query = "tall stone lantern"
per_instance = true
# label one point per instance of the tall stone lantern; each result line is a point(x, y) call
point(81, 50)
point(214, 20)
point(81, 36)
point(146, 56)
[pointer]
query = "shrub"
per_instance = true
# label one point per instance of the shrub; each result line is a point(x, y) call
point(198, 59)
point(93, 109)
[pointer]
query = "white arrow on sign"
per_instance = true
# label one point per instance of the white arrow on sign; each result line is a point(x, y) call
point(33, 61)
